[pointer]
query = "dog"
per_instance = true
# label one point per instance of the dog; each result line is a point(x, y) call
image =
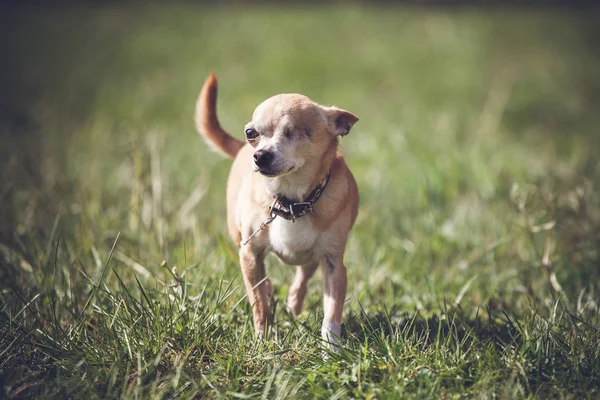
point(290, 193)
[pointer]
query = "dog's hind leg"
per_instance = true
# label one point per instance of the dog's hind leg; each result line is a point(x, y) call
point(298, 288)
point(335, 283)
point(257, 287)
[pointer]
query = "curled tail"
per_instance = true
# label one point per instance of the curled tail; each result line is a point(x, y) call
point(207, 122)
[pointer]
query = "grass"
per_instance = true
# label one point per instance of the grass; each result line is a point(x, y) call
point(474, 263)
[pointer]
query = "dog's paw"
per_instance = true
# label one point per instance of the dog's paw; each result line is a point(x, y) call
point(331, 334)
point(294, 307)
point(262, 331)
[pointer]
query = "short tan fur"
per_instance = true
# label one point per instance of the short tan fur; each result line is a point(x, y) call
point(292, 144)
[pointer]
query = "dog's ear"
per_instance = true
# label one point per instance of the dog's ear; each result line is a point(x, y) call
point(342, 120)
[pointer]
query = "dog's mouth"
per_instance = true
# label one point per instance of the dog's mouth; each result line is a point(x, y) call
point(270, 173)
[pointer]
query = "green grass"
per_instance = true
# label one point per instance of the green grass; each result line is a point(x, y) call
point(474, 263)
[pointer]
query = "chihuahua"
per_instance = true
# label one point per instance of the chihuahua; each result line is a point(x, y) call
point(289, 192)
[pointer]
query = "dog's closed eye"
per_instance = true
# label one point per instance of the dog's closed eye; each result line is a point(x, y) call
point(300, 132)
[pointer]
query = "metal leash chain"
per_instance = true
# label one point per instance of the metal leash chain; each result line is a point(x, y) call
point(263, 226)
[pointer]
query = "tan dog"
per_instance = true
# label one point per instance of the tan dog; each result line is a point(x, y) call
point(289, 192)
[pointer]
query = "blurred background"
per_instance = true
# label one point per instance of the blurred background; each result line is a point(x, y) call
point(478, 132)
point(476, 152)
point(458, 106)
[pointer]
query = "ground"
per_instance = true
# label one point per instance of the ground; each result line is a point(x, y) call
point(474, 263)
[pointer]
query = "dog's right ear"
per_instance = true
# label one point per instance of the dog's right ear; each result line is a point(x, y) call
point(342, 120)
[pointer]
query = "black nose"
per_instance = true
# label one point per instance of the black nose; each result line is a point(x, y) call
point(262, 158)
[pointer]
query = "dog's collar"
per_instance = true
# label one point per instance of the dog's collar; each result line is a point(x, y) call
point(287, 209)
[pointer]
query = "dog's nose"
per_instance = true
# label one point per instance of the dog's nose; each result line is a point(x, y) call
point(262, 158)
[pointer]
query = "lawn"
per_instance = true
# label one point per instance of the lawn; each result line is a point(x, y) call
point(474, 262)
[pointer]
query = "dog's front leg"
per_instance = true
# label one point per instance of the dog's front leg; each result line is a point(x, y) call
point(257, 287)
point(335, 282)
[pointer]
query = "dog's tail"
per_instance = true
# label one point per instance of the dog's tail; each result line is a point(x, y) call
point(207, 122)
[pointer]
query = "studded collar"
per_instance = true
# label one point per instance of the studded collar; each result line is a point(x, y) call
point(290, 210)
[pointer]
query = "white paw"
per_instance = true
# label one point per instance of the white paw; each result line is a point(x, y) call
point(330, 332)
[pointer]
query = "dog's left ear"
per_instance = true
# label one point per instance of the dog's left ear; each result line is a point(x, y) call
point(342, 120)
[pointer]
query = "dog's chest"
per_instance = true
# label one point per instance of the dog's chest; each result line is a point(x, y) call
point(293, 242)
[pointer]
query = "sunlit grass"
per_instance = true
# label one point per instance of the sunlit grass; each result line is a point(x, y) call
point(472, 268)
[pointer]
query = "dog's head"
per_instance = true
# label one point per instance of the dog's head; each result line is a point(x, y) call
point(288, 131)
